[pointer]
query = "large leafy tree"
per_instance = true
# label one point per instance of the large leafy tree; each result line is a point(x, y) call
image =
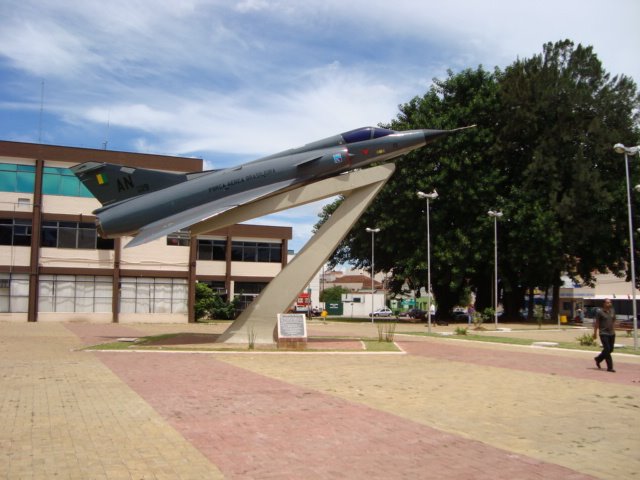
point(459, 169)
point(541, 153)
point(561, 113)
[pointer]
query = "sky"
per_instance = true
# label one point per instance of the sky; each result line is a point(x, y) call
point(230, 81)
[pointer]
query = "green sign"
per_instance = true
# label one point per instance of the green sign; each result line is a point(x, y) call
point(334, 308)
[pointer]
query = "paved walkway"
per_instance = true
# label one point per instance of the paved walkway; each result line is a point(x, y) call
point(64, 414)
point(445, 410)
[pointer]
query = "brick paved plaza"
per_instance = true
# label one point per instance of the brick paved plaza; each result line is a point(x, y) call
point(444, 409)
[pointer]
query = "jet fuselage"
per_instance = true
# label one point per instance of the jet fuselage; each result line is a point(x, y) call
point(151, 203)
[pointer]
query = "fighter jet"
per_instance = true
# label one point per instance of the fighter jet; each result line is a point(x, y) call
point(150, 204)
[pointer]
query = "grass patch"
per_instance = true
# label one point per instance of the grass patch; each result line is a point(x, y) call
point(195, 348)
point(374, 345)
point(153, 339)
point(478, 338)
point(524, 341)
point(167, 342)
point(214, 321)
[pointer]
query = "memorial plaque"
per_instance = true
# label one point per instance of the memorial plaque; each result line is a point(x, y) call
point(292, 325)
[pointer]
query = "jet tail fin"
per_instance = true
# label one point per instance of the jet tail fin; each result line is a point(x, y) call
point(111, 183)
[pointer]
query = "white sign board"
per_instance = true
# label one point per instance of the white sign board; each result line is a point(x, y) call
point(292, 325)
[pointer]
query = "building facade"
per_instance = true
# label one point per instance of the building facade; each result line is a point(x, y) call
point(575, 296)
point(54, 266)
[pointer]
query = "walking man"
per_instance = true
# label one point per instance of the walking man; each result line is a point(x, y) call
point(605, 322)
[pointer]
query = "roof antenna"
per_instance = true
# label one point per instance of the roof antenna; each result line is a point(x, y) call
point(41, 110)
point(106, 140)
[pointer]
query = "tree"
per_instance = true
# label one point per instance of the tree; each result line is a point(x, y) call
point(542, 153)
point(211, 305)
point(561, 116)
point(449, 165)
point(332, 294)
point(204, 296)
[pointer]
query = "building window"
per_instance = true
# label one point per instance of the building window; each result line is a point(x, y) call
point(55, 181)
point(256, 252)
point(246, 292)
point(153, 295)
point(249, 287)
point(17, 178)
point(62, 181)
point(14, 292)
point(218, 287)
point(73, 235)
point(212, 249)
point(15, 231)
point(179, 239)
point(75, 293)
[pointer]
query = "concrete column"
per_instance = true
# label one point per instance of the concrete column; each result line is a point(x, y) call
point(360, 188)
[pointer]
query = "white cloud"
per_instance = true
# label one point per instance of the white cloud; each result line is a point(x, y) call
point(44, 49)
point(193, 71)
point(492, 33)
point(329, 100)
point(251, 5)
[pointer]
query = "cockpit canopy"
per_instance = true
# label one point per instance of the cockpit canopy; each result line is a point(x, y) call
point(365, 133)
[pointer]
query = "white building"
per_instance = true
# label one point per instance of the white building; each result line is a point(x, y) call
point(573, 296)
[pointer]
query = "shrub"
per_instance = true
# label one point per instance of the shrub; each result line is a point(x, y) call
point(210, 305)
point(587, 340)
point(386, 331)
point(461, 331)
point(538, 314)
point(251, 338)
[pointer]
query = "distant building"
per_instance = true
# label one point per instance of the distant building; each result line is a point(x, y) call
point(54, 266)
point(358, 302)
point(355, 283)
point(617, 289)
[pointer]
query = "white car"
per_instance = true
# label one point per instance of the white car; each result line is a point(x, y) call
point(382, 312)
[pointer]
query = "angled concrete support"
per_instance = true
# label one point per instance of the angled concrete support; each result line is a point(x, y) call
point(359, 188)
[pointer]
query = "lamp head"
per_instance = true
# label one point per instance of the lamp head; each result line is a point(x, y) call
point(372, 230)
point(620, 148)
point(495, 213)
point(431, 196)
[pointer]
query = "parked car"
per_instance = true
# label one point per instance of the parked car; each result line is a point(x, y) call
point(418, 314)
point(410, 315)
point(421, 316)
point(460, 316)
point(382, 312)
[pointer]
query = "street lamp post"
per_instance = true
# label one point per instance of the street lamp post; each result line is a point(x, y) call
point(495, 214)
point(620, 148)
point(373, 232)
point(428, 196)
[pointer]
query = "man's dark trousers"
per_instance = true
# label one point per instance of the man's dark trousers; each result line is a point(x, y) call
point(607, 347)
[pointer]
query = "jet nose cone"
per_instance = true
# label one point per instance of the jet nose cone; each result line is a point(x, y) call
point(431, 135)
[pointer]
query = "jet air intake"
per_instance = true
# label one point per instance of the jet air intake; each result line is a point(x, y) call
point(326, 162)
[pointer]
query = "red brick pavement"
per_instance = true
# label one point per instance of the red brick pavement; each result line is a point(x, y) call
point(539, 362)
point(252, 426)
